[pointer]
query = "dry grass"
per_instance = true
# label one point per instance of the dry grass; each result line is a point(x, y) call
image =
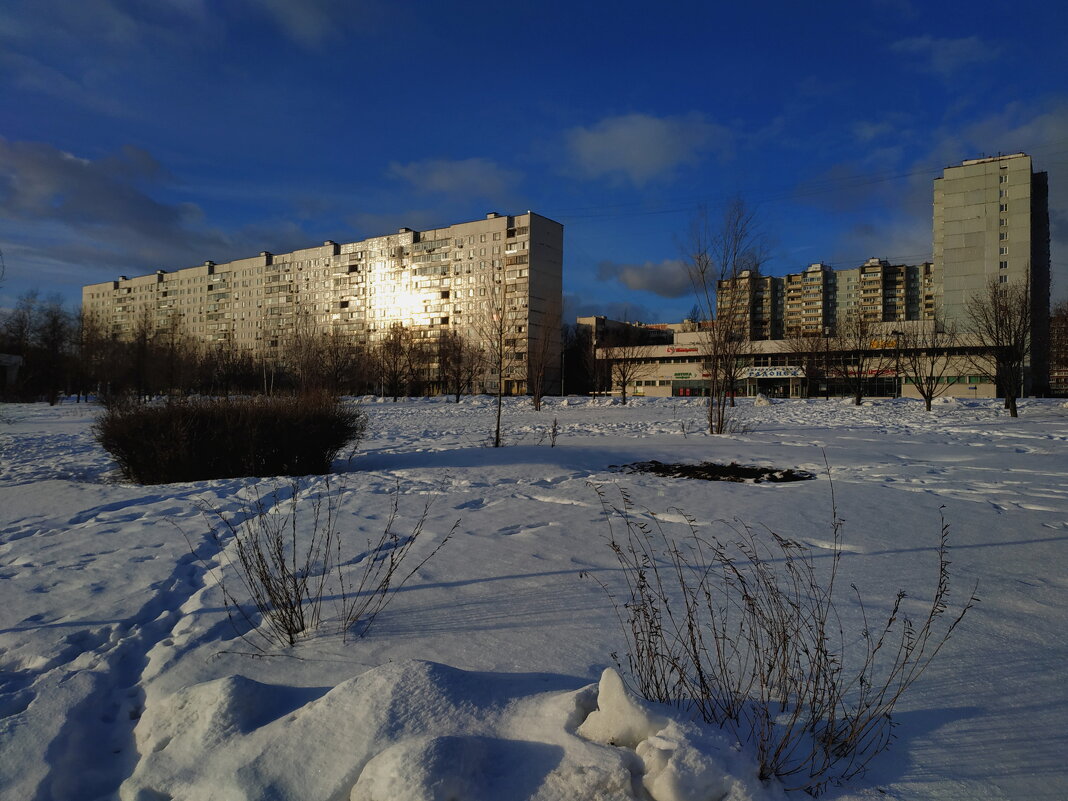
point(291, 559)
point(745, 631)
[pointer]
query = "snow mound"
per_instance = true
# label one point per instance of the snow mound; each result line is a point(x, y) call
point(422, 731)
point(678, 762)
point(762, 400)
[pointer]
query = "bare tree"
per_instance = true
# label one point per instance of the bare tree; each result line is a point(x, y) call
point(858, 354)
point(717, 257)
point(630, 358)
point(924, 355)
point(1058, 346)
point(543, 353)
point(460, 362)
point(692, 322)
point(19, 323)
point(175, 358)
point(92, 355)
point(343, 363)
point(498, 331)
point(42, 333)
point(54, 337)
point(812, 354)
point(303, 349)
point(142, 353)
point(392, 361)
point(999, 316)
point(419, 351)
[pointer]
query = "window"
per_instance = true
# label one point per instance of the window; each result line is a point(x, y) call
point(1003, 279)
point(1003, 236)
point(1003, 251)
point(1004, 207)
point(1001, 193)
point(1003, 265)
point(1002, 179)
point(1003, 222)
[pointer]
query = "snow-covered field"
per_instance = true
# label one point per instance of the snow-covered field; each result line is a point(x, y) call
point(121, 675)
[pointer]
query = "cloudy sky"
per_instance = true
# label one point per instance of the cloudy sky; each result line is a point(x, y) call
point(145, 134)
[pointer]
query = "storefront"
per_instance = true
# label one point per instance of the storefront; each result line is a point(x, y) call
point(774, 382)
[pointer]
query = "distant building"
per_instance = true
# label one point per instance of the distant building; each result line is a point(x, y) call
point(753, 303)
point(444, 279)
point(810, 301)
point(880, 292)
point(991, 222)
point(813, 302)
point(800, 367)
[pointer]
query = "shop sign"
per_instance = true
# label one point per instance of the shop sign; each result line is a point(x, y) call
point(774, 372)
point(676, 349)
point(683, 375)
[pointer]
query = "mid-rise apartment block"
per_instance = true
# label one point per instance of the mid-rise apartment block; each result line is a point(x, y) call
point(815, 301)
point(457, 278)
point(753, 304)
point(810, 301)
point(880, 292)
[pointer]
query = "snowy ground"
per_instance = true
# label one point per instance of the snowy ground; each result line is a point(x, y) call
point(121, 676)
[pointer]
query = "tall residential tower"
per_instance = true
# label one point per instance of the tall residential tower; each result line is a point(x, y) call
point(991, 223)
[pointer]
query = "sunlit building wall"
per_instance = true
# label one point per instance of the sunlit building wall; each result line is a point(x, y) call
point(452, 278)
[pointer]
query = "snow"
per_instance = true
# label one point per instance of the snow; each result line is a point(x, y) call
point(490, 675)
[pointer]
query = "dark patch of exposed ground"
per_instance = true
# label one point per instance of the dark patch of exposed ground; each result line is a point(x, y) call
point(710, 471)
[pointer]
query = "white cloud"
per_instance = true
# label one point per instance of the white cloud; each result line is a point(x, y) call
point(311, 23)
point(945, 57)
point(669, 278)
point(582, 306)
point(474, 177)
point(640, 147)
point(368, 224)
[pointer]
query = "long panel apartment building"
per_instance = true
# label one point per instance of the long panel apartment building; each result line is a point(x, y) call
point(457, 278)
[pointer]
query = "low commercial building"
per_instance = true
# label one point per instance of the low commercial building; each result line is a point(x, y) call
point(787, 369)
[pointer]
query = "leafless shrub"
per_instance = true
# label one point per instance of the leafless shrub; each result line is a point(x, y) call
point(191, 439)
point(746, 632)
point(381, 572)
point(287, 565)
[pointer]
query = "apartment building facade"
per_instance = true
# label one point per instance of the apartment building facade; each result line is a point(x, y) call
point(461, 277)
point(880, 292)
point(817, 300)
point(753, 305)
point(991, 223)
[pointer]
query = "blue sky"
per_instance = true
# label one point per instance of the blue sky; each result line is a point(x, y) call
point(156, 134)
